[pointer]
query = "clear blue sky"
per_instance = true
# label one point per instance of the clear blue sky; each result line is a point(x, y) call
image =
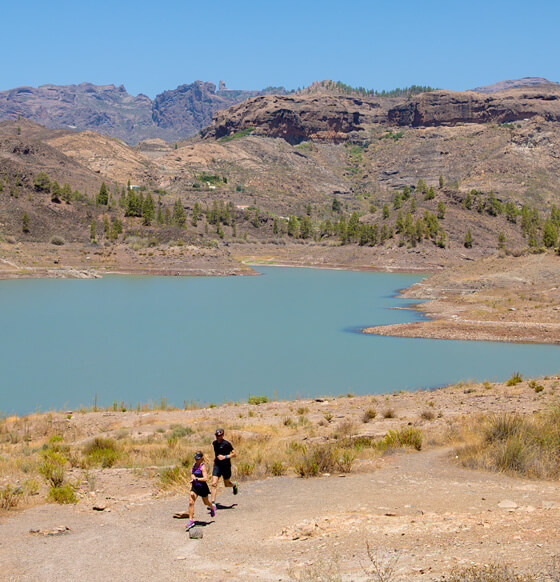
point(152, 46)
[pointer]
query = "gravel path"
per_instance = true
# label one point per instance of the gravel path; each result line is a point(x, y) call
point(420, 507)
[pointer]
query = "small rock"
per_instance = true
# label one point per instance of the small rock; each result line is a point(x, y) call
point(99, 507)
point(195, 533)
point(507, 504)
point(181, 558)
point(390, 514)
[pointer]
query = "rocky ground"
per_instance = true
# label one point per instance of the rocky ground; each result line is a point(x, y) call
point(419, 511)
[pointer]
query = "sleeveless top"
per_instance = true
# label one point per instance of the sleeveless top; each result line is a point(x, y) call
point(197, 473)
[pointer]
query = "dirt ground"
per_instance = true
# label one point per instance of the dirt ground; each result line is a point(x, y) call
point(420, 510)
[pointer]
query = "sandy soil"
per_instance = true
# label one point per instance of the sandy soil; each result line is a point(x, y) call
point(419, 508)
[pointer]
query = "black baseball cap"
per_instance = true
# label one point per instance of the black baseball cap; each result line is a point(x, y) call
point(219, 432)
point(198, 455)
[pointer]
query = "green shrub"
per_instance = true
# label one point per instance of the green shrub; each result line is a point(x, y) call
point(52, 468)
point(10, 496)
point(62, 494)
point(178, 431)
point(102, 451)
point(516, 378)
point(257, 399)
point(535, 386)
point(57, 240)
point(405, 436)
point(276, 468)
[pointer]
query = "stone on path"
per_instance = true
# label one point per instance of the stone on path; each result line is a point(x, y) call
point(195, 533)
point(507, 504)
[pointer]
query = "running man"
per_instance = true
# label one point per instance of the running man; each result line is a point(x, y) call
point(223, 451)
point(199, 487)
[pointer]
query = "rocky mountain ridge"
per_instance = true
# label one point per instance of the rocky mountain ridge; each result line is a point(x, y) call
point(109, 109)
point(337, 118)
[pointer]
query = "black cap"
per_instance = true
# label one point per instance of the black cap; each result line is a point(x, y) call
point(198, 455)
point(219, 432)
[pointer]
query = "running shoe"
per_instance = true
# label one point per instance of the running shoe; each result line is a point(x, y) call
point(235, 488)
point(213, 511)
point(190, 524)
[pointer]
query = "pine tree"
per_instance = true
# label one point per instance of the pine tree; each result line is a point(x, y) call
point(440, 182)
point(386, 211)
point(102, 198)
point(25, 222)
point(441, 210)
point(42, 183)
point(550, 234)
point(353, 227)
point(179, 218)
point(468, 239)
point(148, 210)
point(55, 192)
point(92, 230)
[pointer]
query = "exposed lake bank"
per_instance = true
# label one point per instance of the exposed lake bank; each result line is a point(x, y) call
point(513, 299)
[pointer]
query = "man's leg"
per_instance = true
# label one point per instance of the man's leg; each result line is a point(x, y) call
point(230, 483)
point(215, 480)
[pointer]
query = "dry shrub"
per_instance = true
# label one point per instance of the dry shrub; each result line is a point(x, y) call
point(528, 446)
point(10, 496)
point(318, 459)
point(174, 478)
point(389, 413)
point(427, 415)
point(488, 573)
point(369, 414)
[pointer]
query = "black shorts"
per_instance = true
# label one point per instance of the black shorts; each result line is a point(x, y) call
point(221, 471)
point(200, 489)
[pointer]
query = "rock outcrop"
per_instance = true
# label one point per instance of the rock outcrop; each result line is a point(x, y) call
point(452, 107)
point(297, 118)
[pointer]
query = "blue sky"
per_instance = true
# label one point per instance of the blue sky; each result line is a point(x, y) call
point(380, 44)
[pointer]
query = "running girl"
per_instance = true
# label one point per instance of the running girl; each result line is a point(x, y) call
point(199, 487)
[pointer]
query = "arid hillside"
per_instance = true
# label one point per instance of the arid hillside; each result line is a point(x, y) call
point(344, 179)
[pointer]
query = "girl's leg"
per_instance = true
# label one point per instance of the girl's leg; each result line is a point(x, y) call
point(193, 497)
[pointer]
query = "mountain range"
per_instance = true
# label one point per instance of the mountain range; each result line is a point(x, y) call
point(179, 113)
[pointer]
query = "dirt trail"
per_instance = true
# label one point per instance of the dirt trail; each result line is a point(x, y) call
point(435, 514)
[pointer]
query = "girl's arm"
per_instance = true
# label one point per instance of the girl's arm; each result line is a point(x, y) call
point(204, 474)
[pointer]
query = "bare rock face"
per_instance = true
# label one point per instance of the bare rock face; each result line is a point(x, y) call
point(110, 110)
point(297, 118)
point(103, 108)
point(190, 107)
point(452, 107)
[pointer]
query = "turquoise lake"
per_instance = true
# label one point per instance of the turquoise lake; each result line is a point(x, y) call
point(286, 333)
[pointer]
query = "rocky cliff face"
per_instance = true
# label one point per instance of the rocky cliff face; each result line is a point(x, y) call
point(338, 118)
point(189, 108)
point(451, 107)
point(297, 118)
point(111, 110)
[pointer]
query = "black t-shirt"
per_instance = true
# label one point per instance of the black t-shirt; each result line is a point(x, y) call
point(223, 448)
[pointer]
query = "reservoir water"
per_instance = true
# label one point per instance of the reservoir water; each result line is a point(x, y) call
point(285, 333)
